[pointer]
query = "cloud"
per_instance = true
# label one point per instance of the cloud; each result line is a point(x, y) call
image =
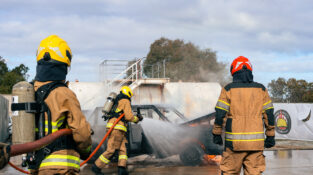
point(272, 33)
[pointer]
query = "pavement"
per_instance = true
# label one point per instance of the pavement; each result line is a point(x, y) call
point(287, 158)
point(286, 162)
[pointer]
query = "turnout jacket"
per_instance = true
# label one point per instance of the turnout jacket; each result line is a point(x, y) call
point(244, 109)
point(65, 107)
point(123, 107)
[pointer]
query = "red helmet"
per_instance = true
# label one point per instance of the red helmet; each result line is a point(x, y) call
point(239, 63)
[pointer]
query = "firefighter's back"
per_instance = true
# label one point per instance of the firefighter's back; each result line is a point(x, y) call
point(244, 123)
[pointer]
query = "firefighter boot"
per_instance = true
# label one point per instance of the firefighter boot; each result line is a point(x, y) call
point(122, 170)
point(96, 170)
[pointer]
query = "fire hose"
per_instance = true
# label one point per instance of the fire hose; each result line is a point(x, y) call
point(31, 146)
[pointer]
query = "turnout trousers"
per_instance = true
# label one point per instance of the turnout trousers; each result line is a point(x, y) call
point(253, 162)
point(116, 142)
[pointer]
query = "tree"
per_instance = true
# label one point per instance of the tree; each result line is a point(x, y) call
point(291, 91)
point(277, 88)
point(10, 77)
point(308, 95)
point(185, 61)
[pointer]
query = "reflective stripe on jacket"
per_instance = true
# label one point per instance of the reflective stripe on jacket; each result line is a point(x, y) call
point(244, 136)
point(119, 127)
point(61, 160)
point(244, 109)
point(55, 125)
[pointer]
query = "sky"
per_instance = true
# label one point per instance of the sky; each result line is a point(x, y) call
point(276, 35)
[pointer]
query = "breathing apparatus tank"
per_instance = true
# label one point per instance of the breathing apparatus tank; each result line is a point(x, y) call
point(23, 129)
point(109, 103)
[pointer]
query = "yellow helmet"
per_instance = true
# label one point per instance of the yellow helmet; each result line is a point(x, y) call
point(55, 48)
point(127, 91)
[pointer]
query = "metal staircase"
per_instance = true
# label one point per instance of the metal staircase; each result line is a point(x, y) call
point(130, 76)
point(115, 73)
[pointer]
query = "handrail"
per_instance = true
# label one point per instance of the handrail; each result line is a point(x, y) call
point(133, 77)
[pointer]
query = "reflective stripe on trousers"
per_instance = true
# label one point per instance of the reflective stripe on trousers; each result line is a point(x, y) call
point(119, 127)
point(104, 160)
point(61, 160)
point(122, 157)
point(244, 136)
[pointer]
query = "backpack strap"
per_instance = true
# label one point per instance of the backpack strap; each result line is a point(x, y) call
point(40, 95)
point(61, 143)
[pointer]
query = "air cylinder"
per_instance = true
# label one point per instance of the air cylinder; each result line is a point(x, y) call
point(109, 103)
point(23, 123)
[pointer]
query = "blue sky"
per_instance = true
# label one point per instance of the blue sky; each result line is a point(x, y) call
point(276, 35)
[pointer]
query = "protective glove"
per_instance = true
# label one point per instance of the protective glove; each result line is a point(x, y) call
point(85, 154)
point(105, 117)
point(217, 139)
point(140, 118)
point(4, 154)
point(269, 141)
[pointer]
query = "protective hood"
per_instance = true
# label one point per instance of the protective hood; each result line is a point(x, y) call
point(50, 71)
point(243, 76)
point(121, 96)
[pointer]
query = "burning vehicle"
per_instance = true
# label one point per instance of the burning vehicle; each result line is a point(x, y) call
point(164, 132)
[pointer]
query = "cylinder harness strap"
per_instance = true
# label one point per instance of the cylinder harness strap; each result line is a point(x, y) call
point(29, 107)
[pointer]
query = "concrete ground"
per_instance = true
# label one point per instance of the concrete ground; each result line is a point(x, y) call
point(288, 158)
point(286, 162)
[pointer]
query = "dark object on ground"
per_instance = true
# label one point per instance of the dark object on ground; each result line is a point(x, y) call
point(122, 171)
point(96, 170)
point(269, 142)
point(217, 139)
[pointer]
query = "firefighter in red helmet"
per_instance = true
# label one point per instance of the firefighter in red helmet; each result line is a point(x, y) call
point(244, 108)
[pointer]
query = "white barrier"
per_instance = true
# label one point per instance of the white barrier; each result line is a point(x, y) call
point(4, 119)
point(294, 121)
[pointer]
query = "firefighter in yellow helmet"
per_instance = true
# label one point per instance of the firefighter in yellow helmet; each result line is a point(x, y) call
point(117, 139)
point(247, 108)
point(59, 109)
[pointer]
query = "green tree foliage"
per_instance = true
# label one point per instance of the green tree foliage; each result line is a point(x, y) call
point(291, 90)
point(10, 77)
point(185, 62)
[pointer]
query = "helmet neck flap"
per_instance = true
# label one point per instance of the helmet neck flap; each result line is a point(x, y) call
point(243, 76)
point(121, 96)
point(50, 71)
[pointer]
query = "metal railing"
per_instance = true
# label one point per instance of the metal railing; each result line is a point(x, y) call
point(114, 68)
point(156, 70)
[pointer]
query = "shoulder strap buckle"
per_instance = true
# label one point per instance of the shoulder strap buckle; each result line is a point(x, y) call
point(46, 150)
